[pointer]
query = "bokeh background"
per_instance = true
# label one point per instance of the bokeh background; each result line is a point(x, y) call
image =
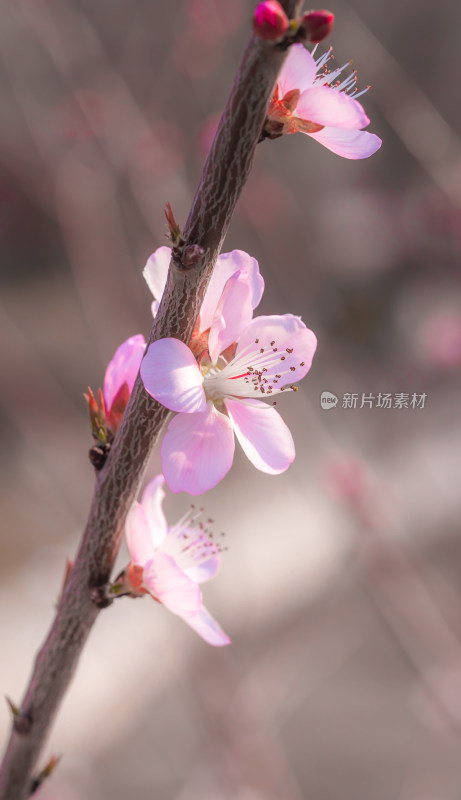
point(341, 585)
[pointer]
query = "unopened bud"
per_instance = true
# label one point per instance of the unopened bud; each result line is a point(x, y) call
point(317, 25)
point(270, 21)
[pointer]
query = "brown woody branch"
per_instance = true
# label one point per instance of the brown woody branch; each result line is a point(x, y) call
point(223, 178)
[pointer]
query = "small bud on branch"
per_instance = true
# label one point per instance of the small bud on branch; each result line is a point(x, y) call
point(44, 774)
point(316, 26)
point(174, 231)
point(21, 722)
point(270, 21)
point(184, 256)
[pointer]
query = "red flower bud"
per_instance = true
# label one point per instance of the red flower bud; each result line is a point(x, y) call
point(317, 25)
point(270, 21)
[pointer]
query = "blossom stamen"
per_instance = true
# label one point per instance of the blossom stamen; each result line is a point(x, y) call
point(252, 378)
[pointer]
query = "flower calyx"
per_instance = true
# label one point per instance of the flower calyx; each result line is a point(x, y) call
point(127, 584)
point(281, 119)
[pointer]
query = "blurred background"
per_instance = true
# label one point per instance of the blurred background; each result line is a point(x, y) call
point(341, 587)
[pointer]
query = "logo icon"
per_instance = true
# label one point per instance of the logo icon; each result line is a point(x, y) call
point(328, 400)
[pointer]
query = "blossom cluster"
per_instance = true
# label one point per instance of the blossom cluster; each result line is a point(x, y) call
point(217, 385)
point(221, 384)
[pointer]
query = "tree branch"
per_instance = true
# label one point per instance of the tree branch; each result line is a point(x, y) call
point(223, 178)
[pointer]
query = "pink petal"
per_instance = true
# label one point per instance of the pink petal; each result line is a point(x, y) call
point(287, 331)
point(263, 435)
point(232, 315)
point(207, 627)
point(170, 374)
point(327, 106)
point(168, 583)
point(298, 71)
point(138, 535)
point(156, 270)
point(349, 144)
point(124, 367)
point(205, 571)
point(152, 499)
point(227, 265)
point(197, 451)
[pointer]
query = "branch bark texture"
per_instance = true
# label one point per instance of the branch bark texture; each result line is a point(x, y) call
point(223, 178)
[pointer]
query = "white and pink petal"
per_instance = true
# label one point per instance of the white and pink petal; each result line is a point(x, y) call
point(281, 344)
point(207, 627)
point(166, 582)
point(328, 106)
point(228, 264)
point(170, 374)
point(233, 314)
point(197, 451)
point(298, 71)
point(348, 144)
point(156, 271)
point(152, 499)
point(265, 438)
point(138, 536)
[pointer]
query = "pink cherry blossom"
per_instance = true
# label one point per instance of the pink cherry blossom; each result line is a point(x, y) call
point(169, 562)
point(156, 270)
point(217, 397)
point(311, 99)
point(106, 412)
